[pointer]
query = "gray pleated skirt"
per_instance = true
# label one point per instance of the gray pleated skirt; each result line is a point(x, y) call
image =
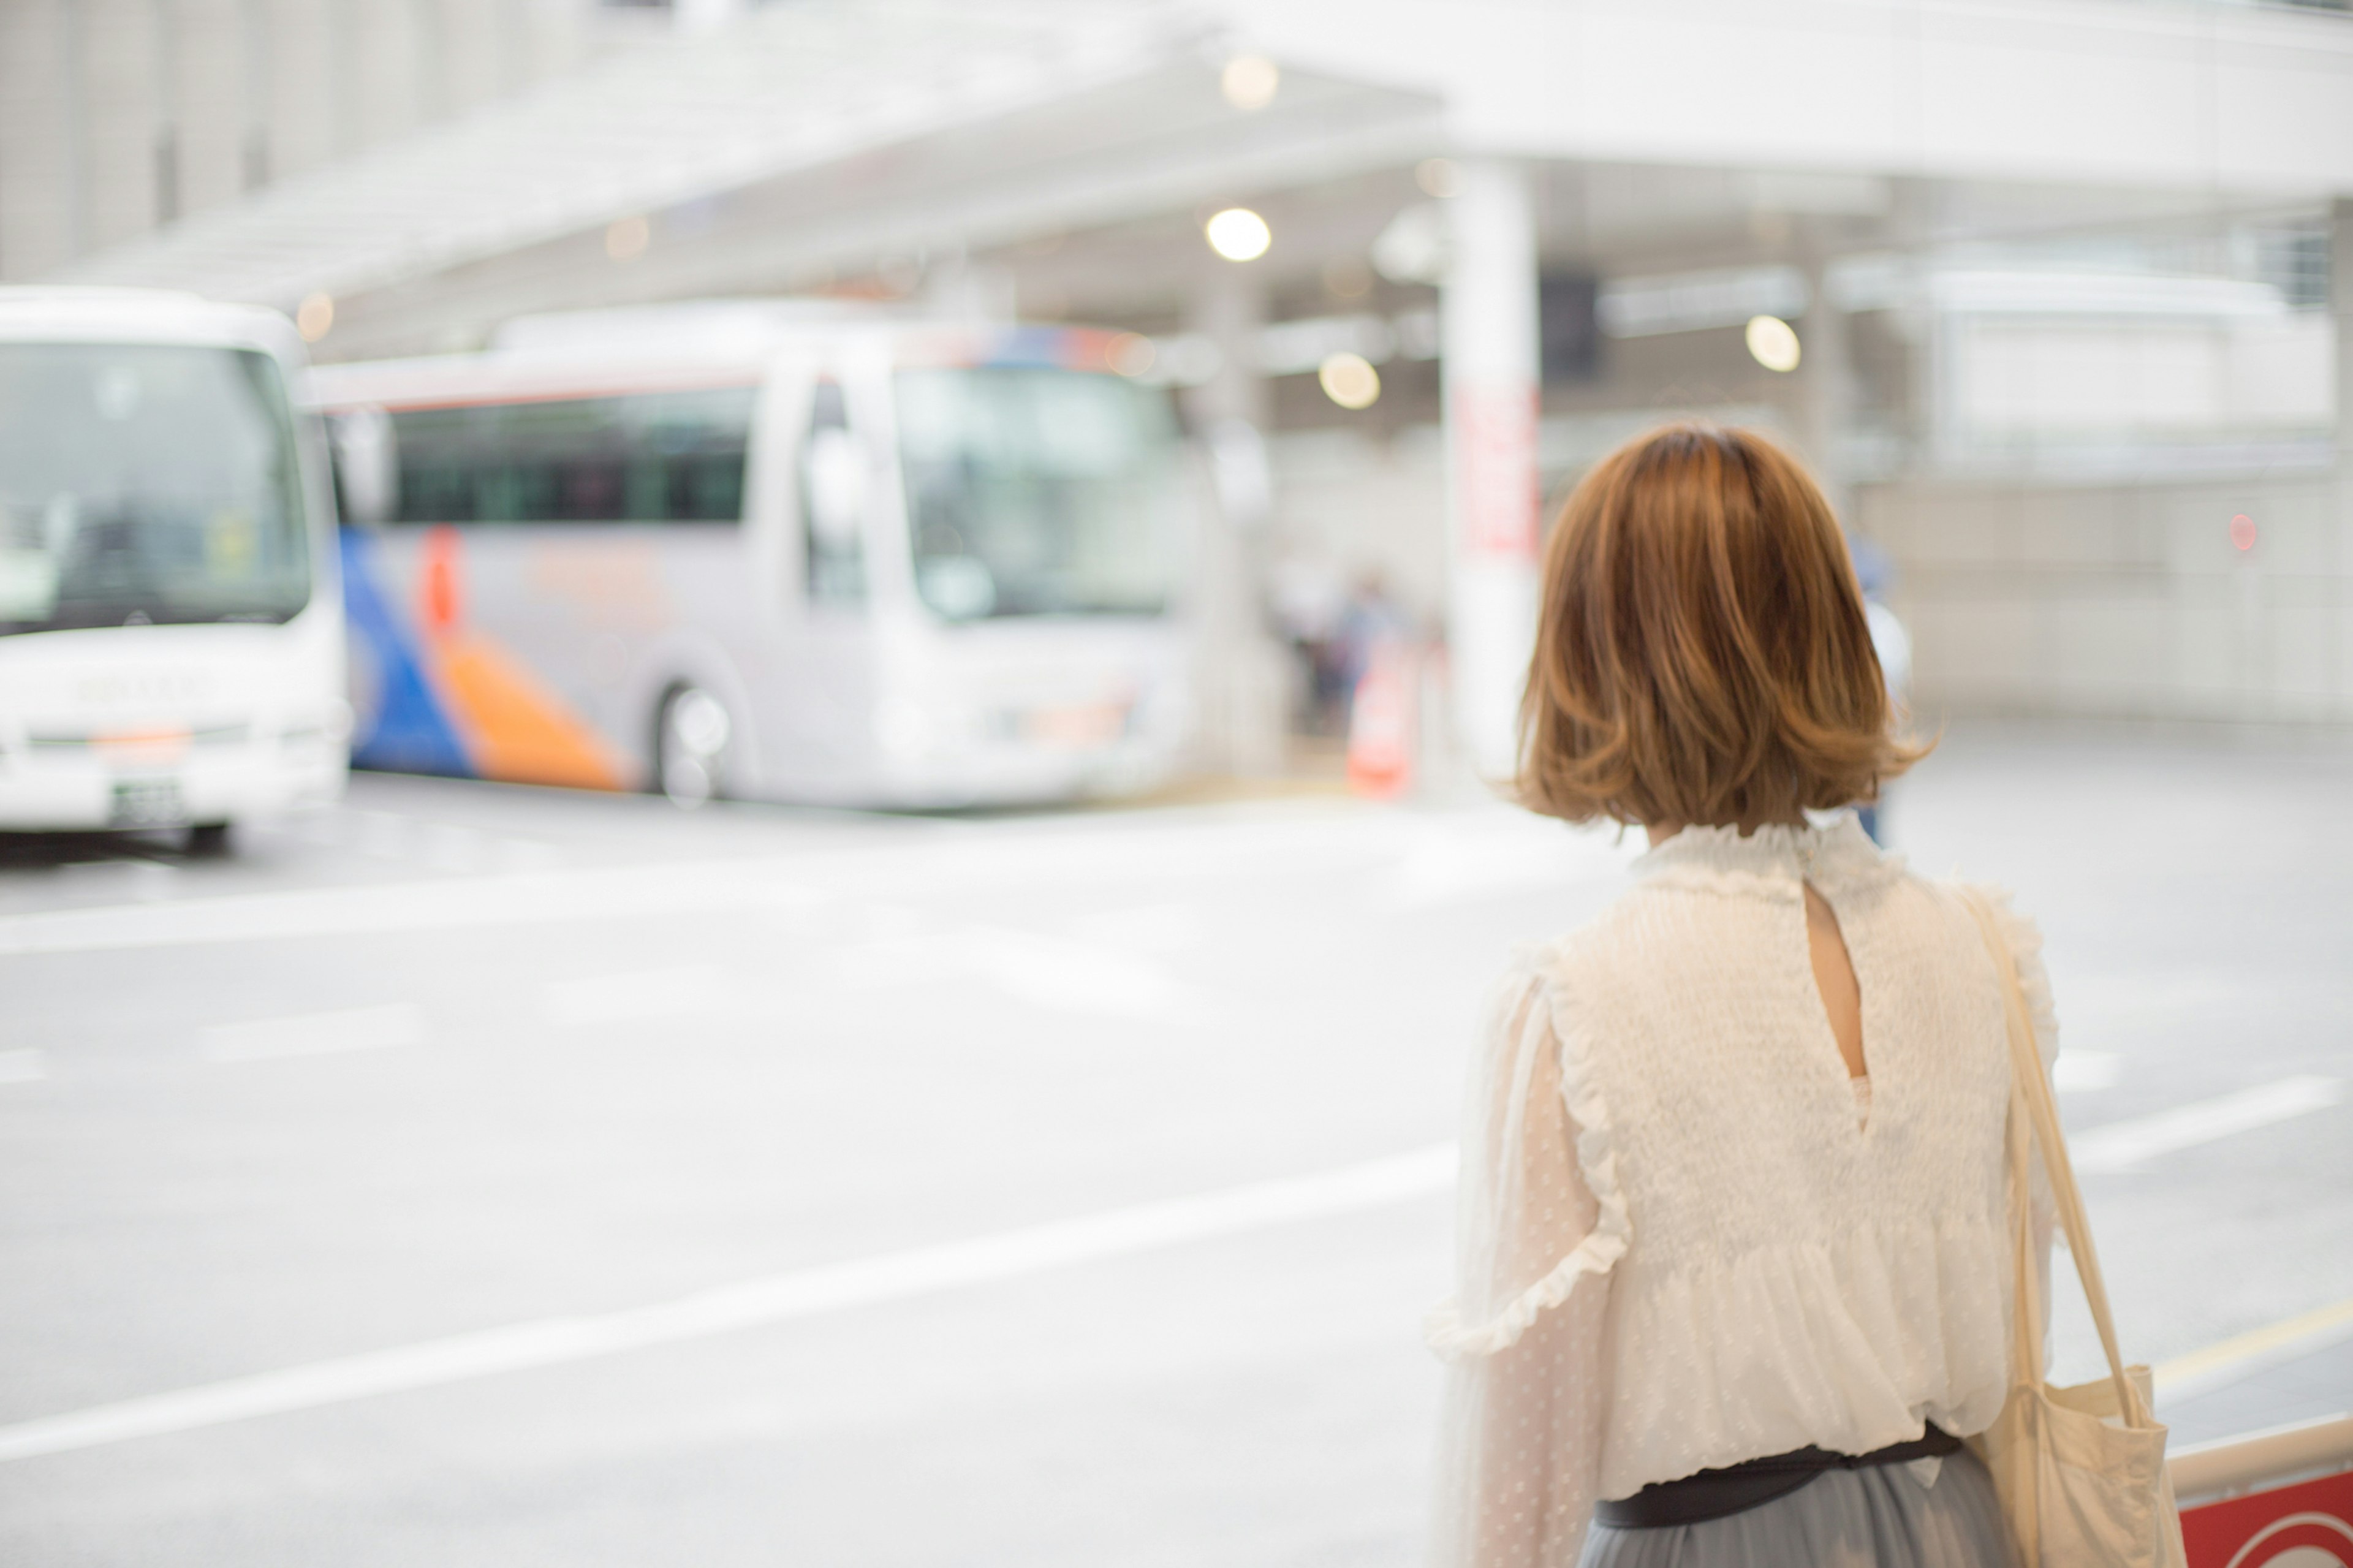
point(1875, 1518)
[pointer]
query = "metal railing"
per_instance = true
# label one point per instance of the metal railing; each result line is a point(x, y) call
point(2209, 1472)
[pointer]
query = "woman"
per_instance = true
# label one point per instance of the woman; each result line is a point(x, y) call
point(1735, 1273)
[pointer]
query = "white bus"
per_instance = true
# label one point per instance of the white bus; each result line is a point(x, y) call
point(766, 551)
point(171, 628)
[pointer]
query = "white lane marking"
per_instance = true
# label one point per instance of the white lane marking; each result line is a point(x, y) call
point(618, 892)
point(1151, 929)
point(782, 1298)
point(2244, 1355)
point(2126, 1146)
point(1070, 976)
point(2076, 1070)
point(22, 1067)
point(316, 1034)
point(1053, 972)
point(689, 991)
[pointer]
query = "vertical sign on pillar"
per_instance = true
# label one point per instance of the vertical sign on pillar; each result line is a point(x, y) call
point(1490, 387)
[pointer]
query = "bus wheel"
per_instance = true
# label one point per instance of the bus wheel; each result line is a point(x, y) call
point(691, 746)
point(209, 840)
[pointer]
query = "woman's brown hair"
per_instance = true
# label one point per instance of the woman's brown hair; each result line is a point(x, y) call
point(1702, 654)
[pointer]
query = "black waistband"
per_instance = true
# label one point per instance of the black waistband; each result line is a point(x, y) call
point(1713, 1494)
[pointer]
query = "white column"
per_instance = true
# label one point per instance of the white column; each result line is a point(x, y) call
point(1826, 386)
point(1237, 673)
point(1490, 344)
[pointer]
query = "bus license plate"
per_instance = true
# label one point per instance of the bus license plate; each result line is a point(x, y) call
point(1078, 727)
point(147, 803)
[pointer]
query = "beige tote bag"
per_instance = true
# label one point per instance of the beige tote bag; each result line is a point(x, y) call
point(2079, 1471)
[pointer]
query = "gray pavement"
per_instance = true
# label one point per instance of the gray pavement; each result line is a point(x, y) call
point(533, 1081)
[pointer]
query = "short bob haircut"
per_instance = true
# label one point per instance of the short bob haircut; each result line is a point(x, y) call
point(1701, 655)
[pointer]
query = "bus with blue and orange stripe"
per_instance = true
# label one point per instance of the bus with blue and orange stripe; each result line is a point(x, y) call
point(766, 550)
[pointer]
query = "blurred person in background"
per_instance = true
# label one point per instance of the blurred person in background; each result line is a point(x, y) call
point(1735, 1269)
point(1371, 622)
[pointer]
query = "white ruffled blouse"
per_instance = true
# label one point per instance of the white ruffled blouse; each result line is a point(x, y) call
point(1688, 1238)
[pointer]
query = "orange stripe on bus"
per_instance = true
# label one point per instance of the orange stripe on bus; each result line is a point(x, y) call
point(515, 729)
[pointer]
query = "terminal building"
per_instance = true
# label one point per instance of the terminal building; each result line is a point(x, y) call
point(2056, 298)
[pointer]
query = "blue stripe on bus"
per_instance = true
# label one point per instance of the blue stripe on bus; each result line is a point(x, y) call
point(408, 733)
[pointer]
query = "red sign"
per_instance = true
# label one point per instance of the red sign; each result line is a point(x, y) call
point(1496, 459)
point(2308, 1525)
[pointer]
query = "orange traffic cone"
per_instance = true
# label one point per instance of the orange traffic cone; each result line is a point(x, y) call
point(1381, 726)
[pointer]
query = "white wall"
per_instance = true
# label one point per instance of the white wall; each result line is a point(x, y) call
point(88, 87)
point(2126, 601)
point(2121, 377)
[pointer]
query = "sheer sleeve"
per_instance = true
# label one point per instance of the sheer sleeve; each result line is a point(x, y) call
point(1526, 1386)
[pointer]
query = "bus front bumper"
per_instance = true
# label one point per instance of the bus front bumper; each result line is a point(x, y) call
point(80, 787)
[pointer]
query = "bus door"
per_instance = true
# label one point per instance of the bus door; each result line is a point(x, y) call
point(836, 483)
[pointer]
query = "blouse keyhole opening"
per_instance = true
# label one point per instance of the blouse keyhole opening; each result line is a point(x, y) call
point(1834, 980)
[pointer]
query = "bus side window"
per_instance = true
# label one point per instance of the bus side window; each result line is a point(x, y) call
point(649, 456)
point(833, 502)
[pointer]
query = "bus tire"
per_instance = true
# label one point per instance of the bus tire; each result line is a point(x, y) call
point(692, 733)
point(208, 841)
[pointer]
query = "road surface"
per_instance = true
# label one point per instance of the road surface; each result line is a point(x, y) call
point(471, 1175)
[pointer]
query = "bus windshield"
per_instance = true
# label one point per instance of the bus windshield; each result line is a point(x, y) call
point(146, 484)
point(1035, 492)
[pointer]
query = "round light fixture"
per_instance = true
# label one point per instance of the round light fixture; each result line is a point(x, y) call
point(1238, 234)
point(1249, 81)
point(315, 316)
point(1132, 353)
point(1349, 380)
point(625, 238)
point(1773, 343)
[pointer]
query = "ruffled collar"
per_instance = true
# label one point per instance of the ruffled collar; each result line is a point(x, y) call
point(1773, 860)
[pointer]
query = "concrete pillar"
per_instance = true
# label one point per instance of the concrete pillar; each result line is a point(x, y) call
point(1238, 677)
point(1826, 392)
point(1228, 306)
point(1490, 376)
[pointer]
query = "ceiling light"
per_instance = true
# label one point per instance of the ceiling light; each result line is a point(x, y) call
point(625, 238)
point(1249, 81)
point(1773, 343)
point(1238, 234)
point(315, 316)
point(1349, 380)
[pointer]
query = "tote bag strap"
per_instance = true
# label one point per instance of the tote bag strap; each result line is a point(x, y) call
point(2030, 1091)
